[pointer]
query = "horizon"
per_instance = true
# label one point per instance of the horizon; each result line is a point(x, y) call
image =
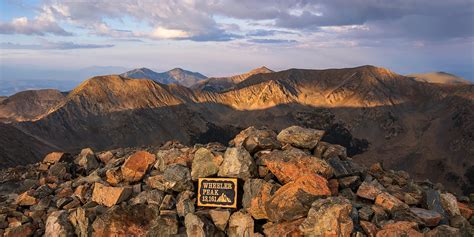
point(223, 38)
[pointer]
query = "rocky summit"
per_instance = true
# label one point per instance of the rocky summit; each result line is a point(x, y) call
point(290, 184)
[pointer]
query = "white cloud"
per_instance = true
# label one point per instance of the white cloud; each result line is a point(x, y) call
point(164, 33)
point(37, 26)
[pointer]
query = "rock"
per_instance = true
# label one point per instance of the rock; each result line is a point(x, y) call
point(203, 164)
point(256, 193)
point(240, 224)
point(400, 228)
point(333, 185)
point(220, 217)
point(58, 224)
point(87, 160)
point(177, 178)
point(432, 201)
point(369, 228)
point(19, 231)
point(288, 166)
point(168, 202)
point(328, 217)
point(150, 197)
point(258, 140)
point(326, 151)
point(109, 196)
point(198, 226)
point(134, 220)
point(239, 138)
point(389, 202)
point(55, 157)
point(352, 182)
point(185, 203)
point(465, 211)
point(450, 204)
point(105, 157)
point(430, 218)
point(60, 203)
point(366, 213)
point(172, 156)
point(288, 228)
point(237, 163)
point(343, 168)
point(306, 138)
point(80, 222)
point(293, 200)
point(26, 199)
point(370, 189)
point(137, 165)
point(113, 176)
point(60, 170)
point(443, 231)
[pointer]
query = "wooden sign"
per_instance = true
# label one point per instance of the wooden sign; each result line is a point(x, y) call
point(217, 192)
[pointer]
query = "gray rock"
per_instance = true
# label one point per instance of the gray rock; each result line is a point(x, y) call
point(238, 163)
point(177, 178)
point(306, 138)
point(203, 164)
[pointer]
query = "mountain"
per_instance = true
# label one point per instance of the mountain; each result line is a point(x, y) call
point(377, 114)
point(224, 83)
point(439, 77)
point(27, 105)
point(19, 148)
point(173, 76)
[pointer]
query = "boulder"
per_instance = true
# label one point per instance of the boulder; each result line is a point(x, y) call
point(220, 217)
point(262, 139)
point(23, 230)
point(465, 210)
point(240, 224)
point(134, 220)
point(177, 178)
point(239, 138)
point(109, 196)
point(150, 197)
point(256, 193)
point(351, 182)
point(26, 199)
point(58, 224)
point(329, 217)
point(137, 165)
point(366, 213)
point(369, 228)
point(294, 199)
point(343, 168)
point(113, 176)
point(288, 166)
point(400, 228)
point(105, 157)
point(389, 202)
point(326, 151)
point(55, 157)
point(306, 138)
point(450, 204)
point(87, 160)
point(370, 189)
point(429, 217)
point(432, 201)
point(287, 228)
point(237, 163)
point(443, 231)
point(198, 226)
point(80, 221)
point(185, 203)
point(203, 164)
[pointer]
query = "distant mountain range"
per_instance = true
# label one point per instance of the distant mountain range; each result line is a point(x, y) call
point(378, 115)
point(439, 77)
point(173, 76)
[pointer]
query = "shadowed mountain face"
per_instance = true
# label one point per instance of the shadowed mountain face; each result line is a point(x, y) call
point(173, 76)
point(439, 77)
point(27, 105)
point(408, 124)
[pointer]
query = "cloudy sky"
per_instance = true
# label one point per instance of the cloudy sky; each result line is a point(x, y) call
point(223, 37)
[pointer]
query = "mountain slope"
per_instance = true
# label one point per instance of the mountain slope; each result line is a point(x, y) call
point(439, 77)
point(408, 124)
point(173, 76)
point(27, 105)
point(217, 84)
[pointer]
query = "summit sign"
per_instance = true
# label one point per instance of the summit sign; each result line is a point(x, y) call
point(217, 192)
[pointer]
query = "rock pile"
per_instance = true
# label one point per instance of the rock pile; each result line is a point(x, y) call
point(293, 185)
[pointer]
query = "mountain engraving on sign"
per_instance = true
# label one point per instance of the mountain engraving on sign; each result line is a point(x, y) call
point(217, 192)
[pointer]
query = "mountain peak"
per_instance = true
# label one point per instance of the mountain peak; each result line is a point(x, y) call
point(262, 69)
point(439, 77)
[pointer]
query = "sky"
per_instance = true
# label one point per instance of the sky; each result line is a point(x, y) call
point(227, 37)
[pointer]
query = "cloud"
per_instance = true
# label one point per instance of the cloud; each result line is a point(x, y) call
point(38, 26)
point(263, 32)
point(272, 41)
point(62, 45)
